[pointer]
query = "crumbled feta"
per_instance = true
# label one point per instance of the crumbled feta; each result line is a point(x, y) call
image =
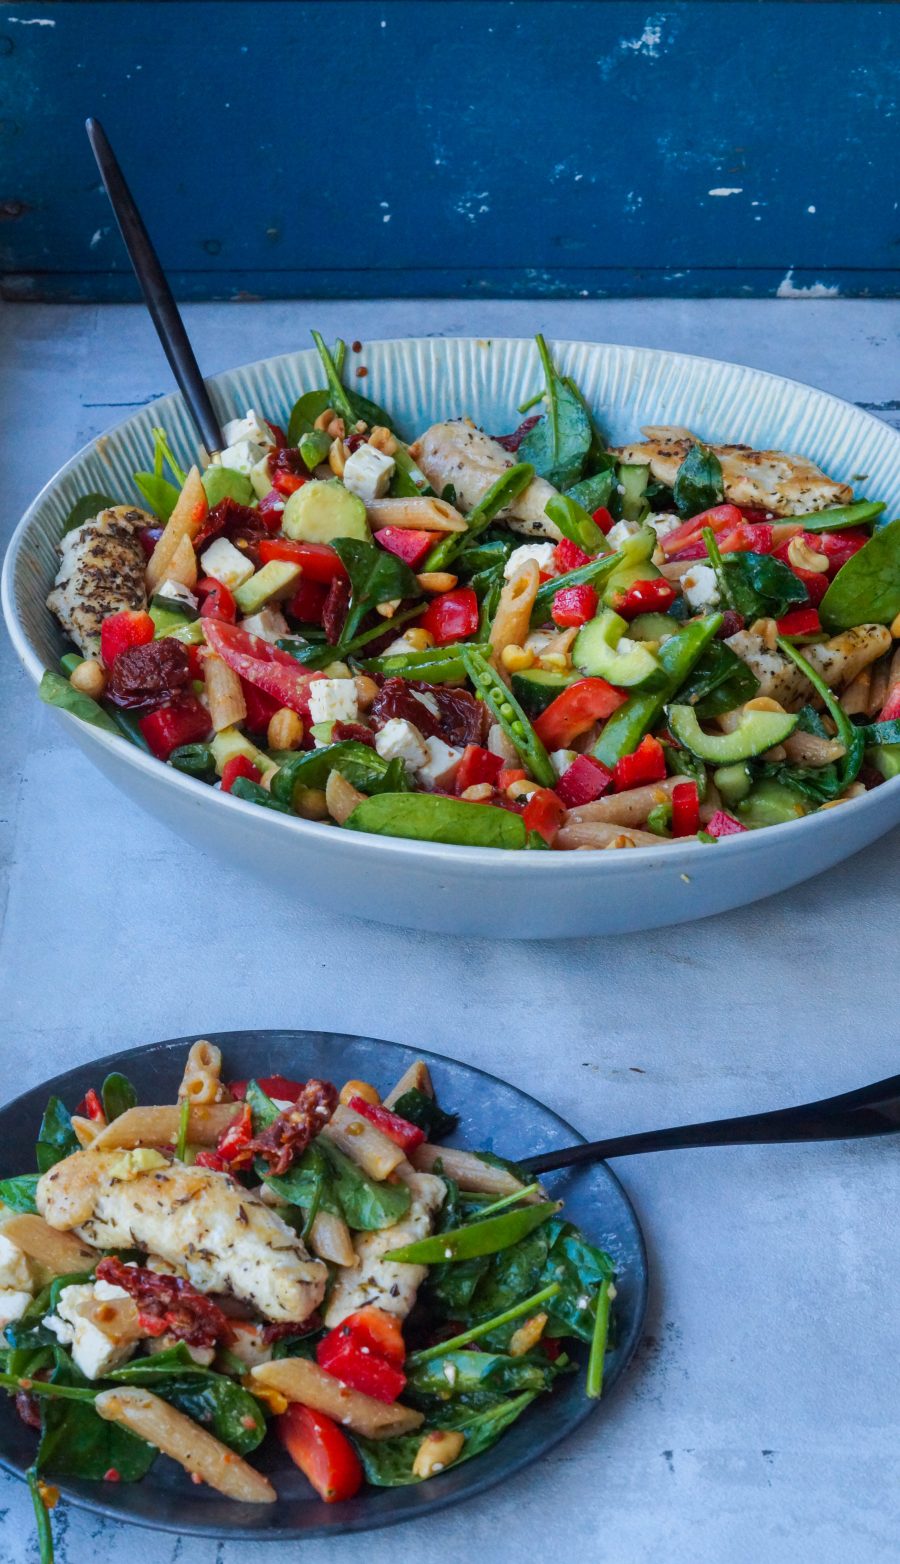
point(269, 624)
point(176, 592)
point(247, 1342)
point(561, 760)
point(250, 427)
point(203, 1356)
point(426, 699)
point(401, 646)
point(243, 456)
point(401, 740)
point(663, 523)
point(13, 1303)
point(333, 700)
point(442, 764)
point(227, 564)
point(541, 553)
point(700, 586)
point(15, 1268)
point(368, 473)
point(92, 1350)
point(625, 645)
point(621, 532)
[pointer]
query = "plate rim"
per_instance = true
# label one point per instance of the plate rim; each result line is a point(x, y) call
point(287, 1534)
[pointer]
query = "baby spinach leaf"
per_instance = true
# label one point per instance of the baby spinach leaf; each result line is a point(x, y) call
point(213, 1400)
point(430, 817)
point(359, 763)
point(161, 495)
point(304, 413)
point(307, 1183)
point(85, 509)
point(558, 445)
point(174, 1362)
point(118, 1095)
point(818, 783)
point(867, 589)
point(872, 733)
point(755, 585)
point(76, 1442)
point(54, 690)
point(719, 682)
point(698, 483)
point(477, 1378)
point(513, 1274)
point(261, 1106)
point(595, 491)
point(367, 1205)
point(20, 1193)
point(56, 1137)
point(579, 1267)
point(388, 1463)
point(418, 1108)
point(375, 577)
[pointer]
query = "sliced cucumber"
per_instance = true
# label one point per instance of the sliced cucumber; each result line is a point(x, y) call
point(230, 743)
point(535, 688)
point(324, 510)
point(653, 627)
point(756, 732)
point(771, 803)
point(596, 652)
point(633, 478)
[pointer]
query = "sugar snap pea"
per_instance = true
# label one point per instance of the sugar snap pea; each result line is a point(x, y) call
point(477, 1238)
point(677, 656)
point(512, 719)
point(508, 487)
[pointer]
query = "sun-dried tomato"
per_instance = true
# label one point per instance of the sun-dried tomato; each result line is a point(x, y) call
point(168, 1305)
point(352, 730)
point(511, 442)
point(277, 1332)
point(231, 520)
point(459, 720)
point(731, 623)
point(149, 675)
point(289, 1135)
point(28, 1407)
point(334, 609)
point(288, 459)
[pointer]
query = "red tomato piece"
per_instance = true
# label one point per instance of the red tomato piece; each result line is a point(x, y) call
point(574, 605)
point(120, 632)
point(408, 543)
point(319, 562)
point(647, 764)
point(261, 708)
point(271, 670)
point(718, 518)
point(685, 809)
point(183, 721)
point(603, 519)
point(508, 775)
point(287, 482)
point(574, 711)
point(239, 766)
point(217, 601)
point(322, 1451)
point(543, 813)
point(802, 621)
point(279, 1086)
point(91, 1107)
point(308, 602)
point(568, 556)
point(645, 597)
point(583, 781)
point(451, 616)
point(271, 510)
point(381, 1332)
point(359, 1369)
point(890, 711)
point(477, 765)
point(723, 824)
point(397, 1129)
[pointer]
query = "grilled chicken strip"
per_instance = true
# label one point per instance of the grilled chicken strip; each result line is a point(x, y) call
point(762, 480)
point(223, 1236)
point(838, 661)
point(101, 571)
point(385, 1283)
point(459, 454)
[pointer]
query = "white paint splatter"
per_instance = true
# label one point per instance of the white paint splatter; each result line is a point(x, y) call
point(474, 205)
point(819, 290)
point(727, 190)
point(810, 208)
point(649, 42)
point(633, 201)
point(32, 21)
point(100, 234)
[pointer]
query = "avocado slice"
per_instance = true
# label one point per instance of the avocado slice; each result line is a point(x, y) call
point(274, 580)
point(229, 743)
point(324, 510)
point(756, 732)
point(596, 652)
point(535, 688)
point(223, 483)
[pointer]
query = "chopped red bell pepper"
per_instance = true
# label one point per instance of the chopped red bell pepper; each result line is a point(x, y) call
point(801, 621)
point(381, 1332)
point(583, 781)
point(287, 482)
point(308, 602)
point(239, 766)
point(399, 1130)
point(322, 1451)
point(508, 776)
point(183, 721)
point(91, 1107)
point(260, 663)
point(723, 824)
point(890, 711)
point(318, 561)
point(755, 517)
point(645, 597)
point(366, 1351)
point(217, 601)
point(408, 543)
point(574, 605)
point(685, 809)
point(261, 708)
point(838, 547)
point(279, 1086)
point(815, 581)
point(451, 616)
point(477, 765)
point(568, 556)
point(718, 518)
point(603, 519)
point(647, 764)
point(233, 1146)
point(574, 711)
point(271, 510)
point(211, 1159)
point(543, 813)
point(119, 632)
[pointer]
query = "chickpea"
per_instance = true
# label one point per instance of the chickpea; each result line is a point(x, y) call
point(89, 678)
point(359, 1089)
point(285, 730)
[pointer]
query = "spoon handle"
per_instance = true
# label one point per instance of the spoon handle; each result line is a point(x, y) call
point(870, 1110)
point(158, 295)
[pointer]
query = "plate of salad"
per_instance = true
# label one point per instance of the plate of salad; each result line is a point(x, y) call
point(285, 1283)
point(509, 613)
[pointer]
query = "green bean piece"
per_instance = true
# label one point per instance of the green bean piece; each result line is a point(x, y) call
point(605, 1294)
point(677, 656)
point(595, 572)
point(848, 733)
point(339, 399)
point(184, 1114)
point(252, 793)
point(484, 1327)
point(42, 1517)
point(507, 488)
point(508, 1200)
point(69, 662)
point(476, 1238)
point(512, 719)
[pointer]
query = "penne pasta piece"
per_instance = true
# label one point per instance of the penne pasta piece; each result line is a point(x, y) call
point(878, 689)
point(299, 1379)
point(597, 833)
point(425, 513)
point(513, 617)
point(467, 1170)
point(184, 522)
point(855, 698)
point(86, 1130)
point(202, 1079)
point(365, 1145)
point(117, 1318)
point(159, 1126)
point(808, 749)
point(224, 694)
point(182, 566)
point(192, 1447)
point(330, 1239)
point(631, 808)
point(61, 1253)
point(415, 1079)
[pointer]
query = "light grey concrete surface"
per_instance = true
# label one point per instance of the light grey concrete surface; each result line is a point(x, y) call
point(760, 1422)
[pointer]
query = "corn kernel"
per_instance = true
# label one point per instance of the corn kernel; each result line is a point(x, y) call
point(516, 658)
point(359, 1089)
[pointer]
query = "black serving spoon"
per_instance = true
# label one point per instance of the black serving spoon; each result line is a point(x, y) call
point(870, 1110)
point(158, 295)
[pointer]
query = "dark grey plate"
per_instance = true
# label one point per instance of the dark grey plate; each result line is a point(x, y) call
point(493, 1116)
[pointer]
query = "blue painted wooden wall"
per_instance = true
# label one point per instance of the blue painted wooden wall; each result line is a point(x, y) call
point(488, 147)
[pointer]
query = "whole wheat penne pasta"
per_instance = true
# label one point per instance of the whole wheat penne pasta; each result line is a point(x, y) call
point(159, 1126)
point(61, 1253)
point(117, 1318)
point(184, 522)
point(86, 1130)
point(365, 1145)
point(301, 1380)
point(513, 617)
point(631, 808)
point(808, 749)
point(711, 803)
point(600, 834)
point(330, 1239)
point(224, 694)
point(878, 689)
point(188, 1444)
point(855, 697)
point(431, 515)
point(202, 1078)
point(182, 567)
point(467, 1170)
point(415, 1079)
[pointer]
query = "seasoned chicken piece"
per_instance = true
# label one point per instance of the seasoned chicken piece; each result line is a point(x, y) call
point(226, 1239)
point(102, 571)
point(778, 677)
point(762, 480)
point(385, 1283)
point(838, 661)
point(457, 453)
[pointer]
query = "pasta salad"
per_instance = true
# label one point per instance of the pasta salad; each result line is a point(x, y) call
point(280, 1258)
point(692, 640)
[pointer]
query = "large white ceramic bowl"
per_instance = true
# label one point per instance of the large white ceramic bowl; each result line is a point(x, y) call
point(468, 890)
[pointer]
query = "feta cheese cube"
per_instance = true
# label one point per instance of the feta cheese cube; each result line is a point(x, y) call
point(368, 473)
point(176, 593)
point(700, 587)
point(561, 760)
point(15, 1267)
point(333, 700)
point(243, 456)
point(442, 764)
point(269, 624)
point(13, 1303)
point(93, 1352)
point(541, 553)
point(622, 530)
point(250, 427)
point(227, 564)
point(663, 523)
point(401, 740)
